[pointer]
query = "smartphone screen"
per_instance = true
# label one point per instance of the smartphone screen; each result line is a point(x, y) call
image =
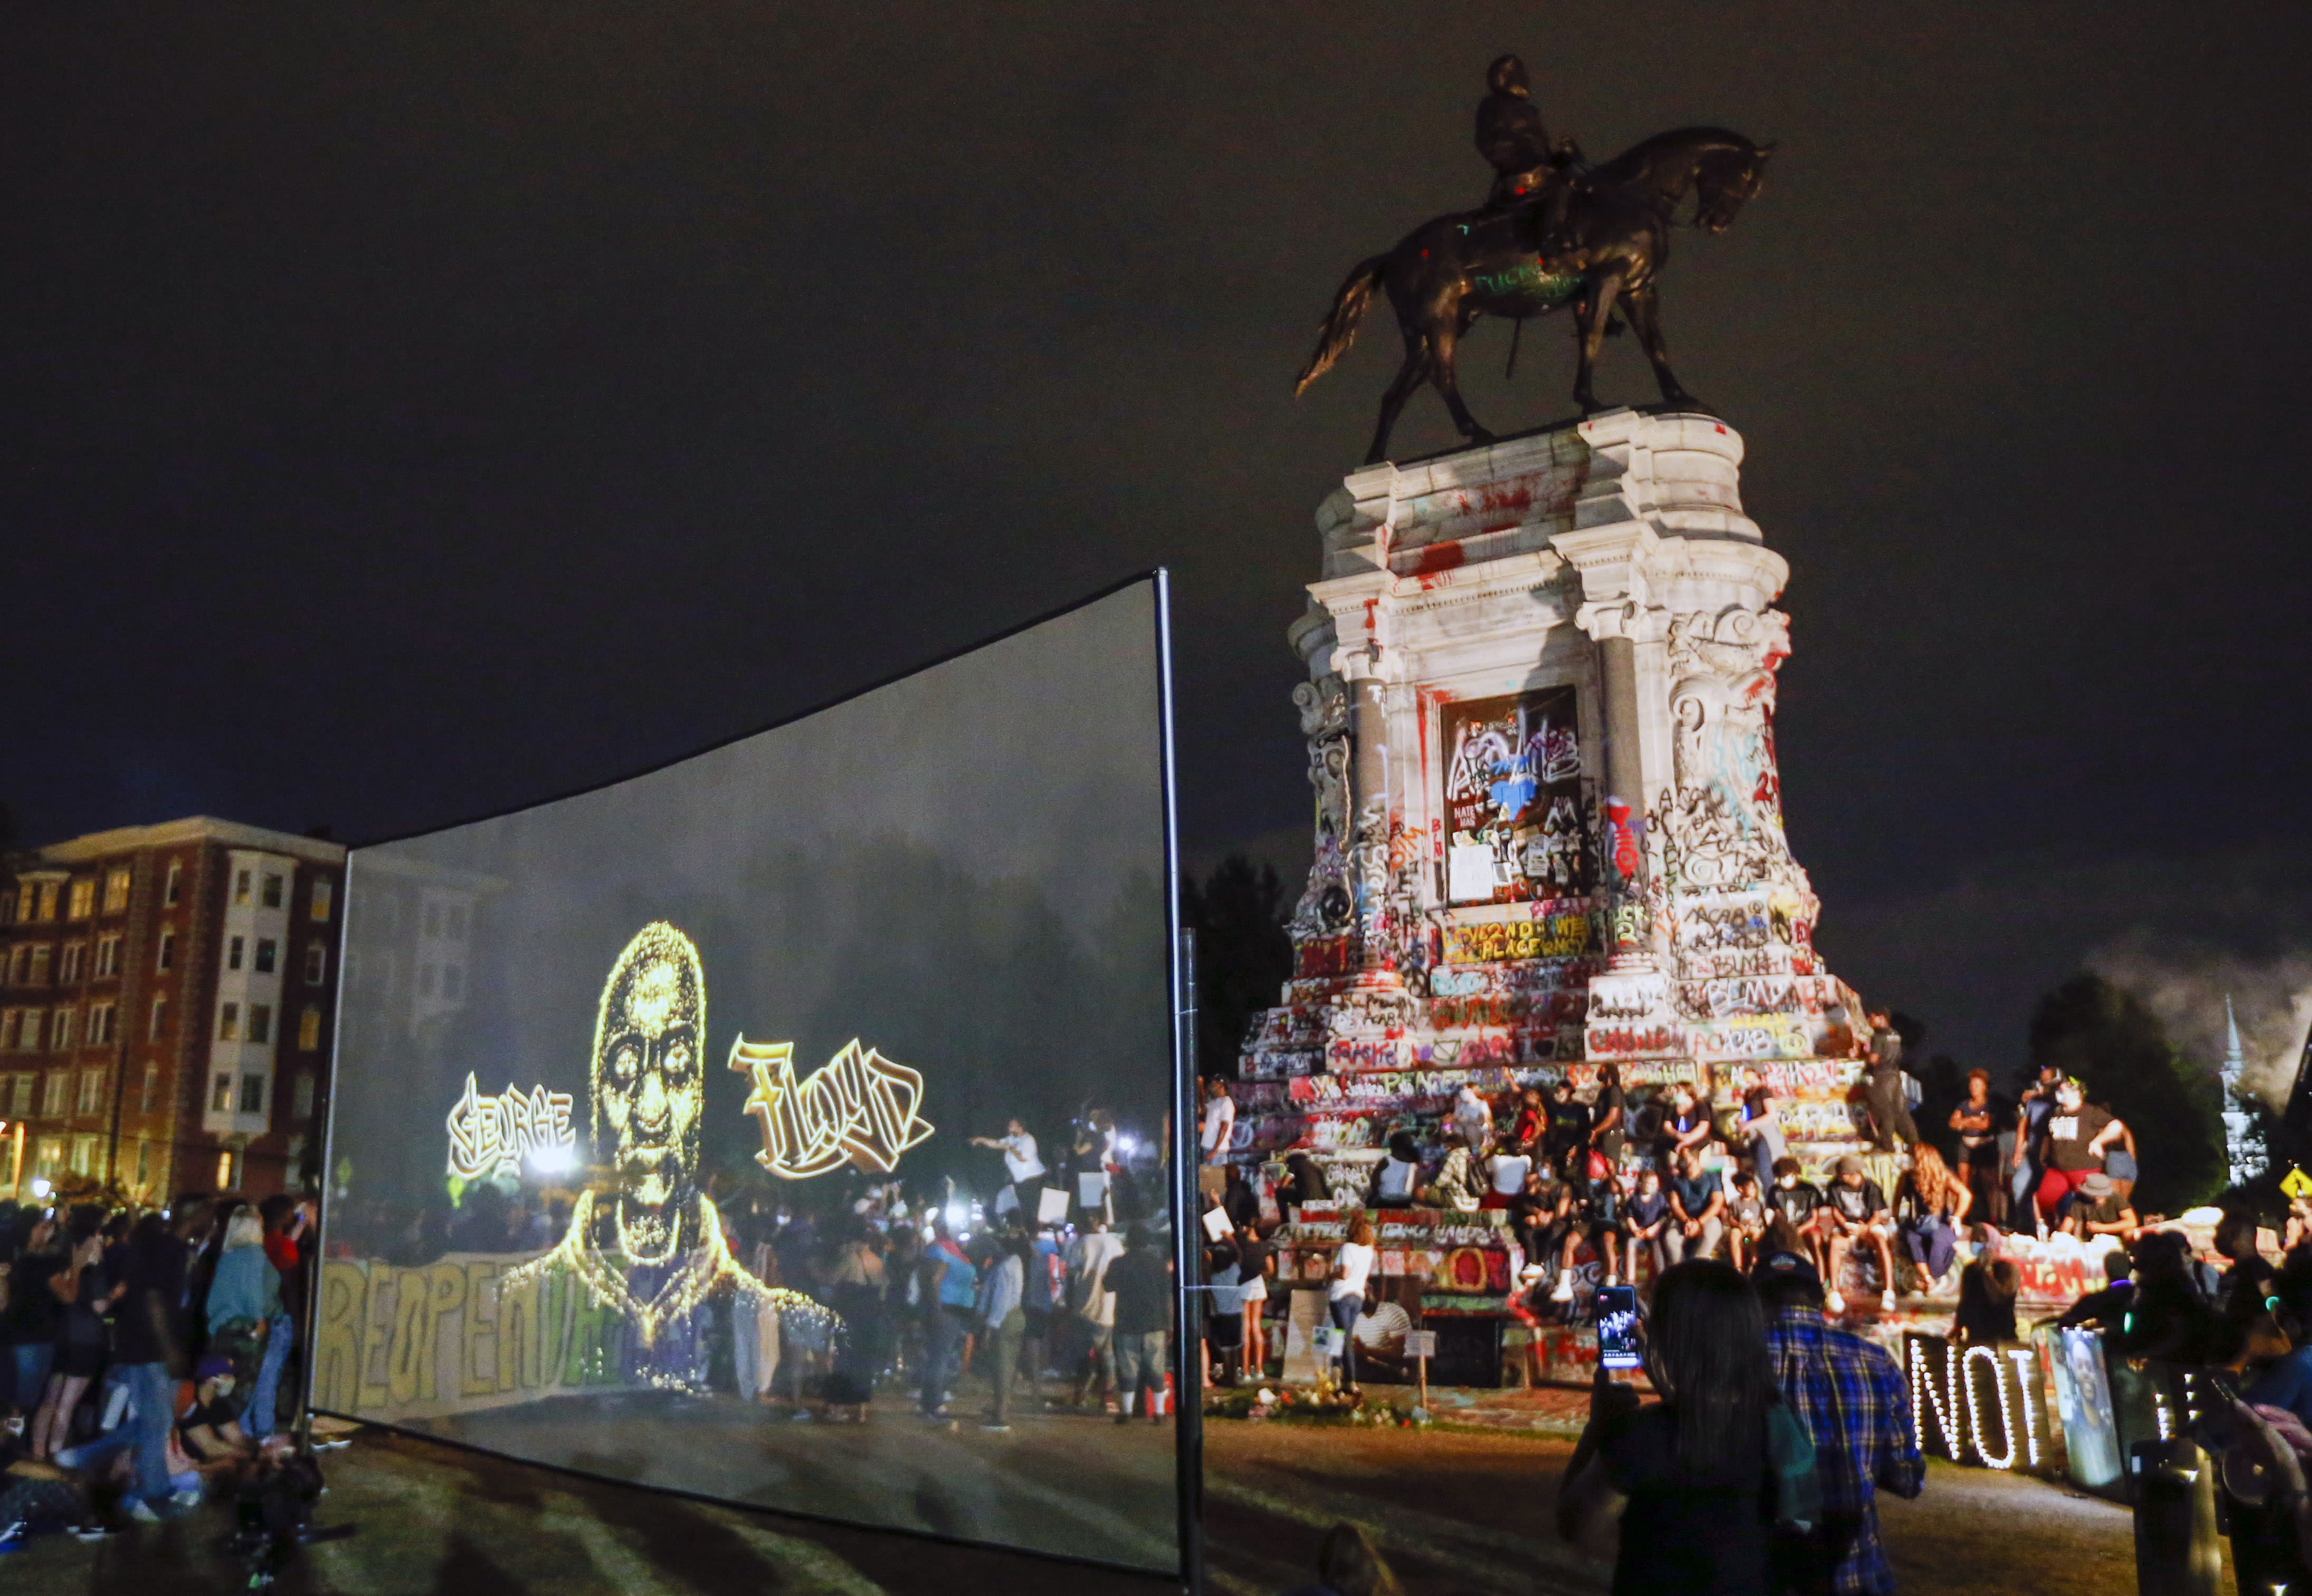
point(1617, 1326)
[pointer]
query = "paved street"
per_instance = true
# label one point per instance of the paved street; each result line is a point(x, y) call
point(1459, 1513)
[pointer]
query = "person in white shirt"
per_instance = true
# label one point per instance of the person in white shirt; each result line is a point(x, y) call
point(1400, 1173)
point(1473, 1118)
point(1219, 1121)
point(1020, 1163)
point(1509, 1171)
point(1353, 1266)
point(1094, 1305)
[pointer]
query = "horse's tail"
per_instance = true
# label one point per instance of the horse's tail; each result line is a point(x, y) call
point(1340, 327)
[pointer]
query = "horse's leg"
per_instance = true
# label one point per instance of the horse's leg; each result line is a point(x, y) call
point(1444, 340)
point(1400, 389)
point(1644, 313)
point(1597, 310)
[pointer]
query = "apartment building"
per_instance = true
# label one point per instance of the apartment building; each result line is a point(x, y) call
point(167, 996)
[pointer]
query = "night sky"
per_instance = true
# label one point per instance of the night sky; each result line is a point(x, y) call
point(408, 411)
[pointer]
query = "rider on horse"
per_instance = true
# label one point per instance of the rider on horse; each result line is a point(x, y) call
point(1528, 165)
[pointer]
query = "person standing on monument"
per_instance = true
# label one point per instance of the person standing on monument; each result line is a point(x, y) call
point(1473, 1120)
point(1219, 1121)
point(1883, 1091)
point(2033, 1104)
point(1610, 1114)
point(1976, 1120)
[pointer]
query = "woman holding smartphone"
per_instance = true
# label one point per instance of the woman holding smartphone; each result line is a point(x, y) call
point(1703, 1481)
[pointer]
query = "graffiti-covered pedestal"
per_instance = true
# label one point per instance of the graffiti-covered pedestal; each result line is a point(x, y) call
point(1539, 716)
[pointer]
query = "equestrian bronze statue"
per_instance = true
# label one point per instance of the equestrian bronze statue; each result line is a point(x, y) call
point(1549, 237)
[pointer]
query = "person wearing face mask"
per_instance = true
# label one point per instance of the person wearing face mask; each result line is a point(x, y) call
point(2072, 1147)
point(1790, 1203)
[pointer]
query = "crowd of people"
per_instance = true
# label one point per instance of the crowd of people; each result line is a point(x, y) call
point(1703, 1168)
point(146, 1354)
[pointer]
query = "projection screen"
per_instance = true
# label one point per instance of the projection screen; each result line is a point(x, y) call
point(664, 1136)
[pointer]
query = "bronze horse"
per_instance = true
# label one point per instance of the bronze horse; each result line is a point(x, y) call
point(1444, 275)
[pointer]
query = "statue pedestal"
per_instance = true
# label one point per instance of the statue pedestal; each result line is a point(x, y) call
point(1548, 814)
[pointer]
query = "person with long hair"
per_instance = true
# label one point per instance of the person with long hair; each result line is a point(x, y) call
point(1701, 1479)
point(1933, 1203)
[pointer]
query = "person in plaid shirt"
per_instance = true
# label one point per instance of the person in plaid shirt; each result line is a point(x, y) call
point(1849, 1394)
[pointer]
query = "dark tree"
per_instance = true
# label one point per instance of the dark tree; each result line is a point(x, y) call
point(1243, 955)
point(2088, 1028)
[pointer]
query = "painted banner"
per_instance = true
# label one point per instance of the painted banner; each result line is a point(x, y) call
point(1512, 799)
point(447, 1337)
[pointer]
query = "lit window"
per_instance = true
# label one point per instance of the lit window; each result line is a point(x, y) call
point(47, 900)
point(83, 900)
point(224, 1172)
point(69, 968)
point(40, 957)
point(92, 1092)
point(302, 1098)
point(58, 1093)
point(221, 1094)
point(27, 898)
point(241, 886)
point(83, 1155)
point(100, 1024)
point(49, 1157)
point(12, 1023)
point(317, 963)
point(165, 958)
point(320, 906)
point(261, 1022)
point(108, 955)
point(159, 1018)
point(151, 1088)
point(176, 884)
point(27, 1087)
point(60, 1030)
point(267, 953)
point(252, 1094)
point(33, 1021)
point(143, 1161)
point(272, 890)
point(116, 889)
point(232, 952)
point(309, 1028)
point(229, 1022)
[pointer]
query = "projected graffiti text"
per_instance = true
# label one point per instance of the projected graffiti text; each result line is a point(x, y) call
point(492, 1135)
point(860, 1107)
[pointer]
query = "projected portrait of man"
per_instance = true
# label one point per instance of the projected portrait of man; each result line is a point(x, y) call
point(654, 1249)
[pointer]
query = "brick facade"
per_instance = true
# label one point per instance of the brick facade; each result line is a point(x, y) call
point(167, 1001)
